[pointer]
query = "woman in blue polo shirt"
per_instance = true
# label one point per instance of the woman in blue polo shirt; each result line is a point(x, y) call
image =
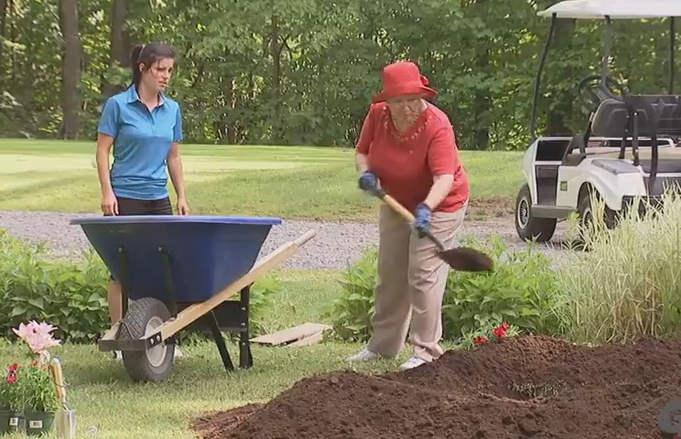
point(144, 128)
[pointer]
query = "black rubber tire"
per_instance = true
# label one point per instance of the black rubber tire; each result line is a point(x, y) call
point(537, 229)
point(585, 210)
point(133, 326)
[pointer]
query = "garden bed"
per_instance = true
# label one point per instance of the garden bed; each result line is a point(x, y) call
point(514, 388)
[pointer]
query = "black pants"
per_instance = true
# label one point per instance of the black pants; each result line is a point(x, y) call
point(130, 206)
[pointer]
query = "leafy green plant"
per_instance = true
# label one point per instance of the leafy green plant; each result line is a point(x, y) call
point(484, 334)
point(30, 386)
point(520, 290)
point(260, 300)
point(70, 295)
point(351, 313)
point(36, 387)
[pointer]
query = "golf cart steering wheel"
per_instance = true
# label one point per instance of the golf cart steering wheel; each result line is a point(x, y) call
point(592, 92)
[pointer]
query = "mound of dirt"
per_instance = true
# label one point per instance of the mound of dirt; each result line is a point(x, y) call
point(520, 387)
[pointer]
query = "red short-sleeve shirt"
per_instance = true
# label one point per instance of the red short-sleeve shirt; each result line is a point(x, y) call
point(405, 163)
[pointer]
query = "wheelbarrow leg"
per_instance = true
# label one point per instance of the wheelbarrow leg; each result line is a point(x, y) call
point(220, 342)
point(245, 357)
point(123, 281)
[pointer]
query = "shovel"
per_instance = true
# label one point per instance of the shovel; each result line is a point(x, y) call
point(65, 418)
point(459, 258)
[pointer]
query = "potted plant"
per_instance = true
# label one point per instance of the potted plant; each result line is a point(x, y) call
point(32, 395)
point(11, 416)
point(39, 398)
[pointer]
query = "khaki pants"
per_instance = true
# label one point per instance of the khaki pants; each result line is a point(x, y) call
point(411, 284)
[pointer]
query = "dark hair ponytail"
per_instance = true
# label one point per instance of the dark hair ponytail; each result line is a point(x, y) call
point(148, 54)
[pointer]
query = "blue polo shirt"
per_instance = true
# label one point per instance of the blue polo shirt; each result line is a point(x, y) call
point(142, 140)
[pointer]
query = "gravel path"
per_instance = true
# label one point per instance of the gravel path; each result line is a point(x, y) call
point(335, 246)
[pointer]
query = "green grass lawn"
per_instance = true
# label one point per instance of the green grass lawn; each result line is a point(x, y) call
point(223, 180)
point(232, 180)
point(105, 398)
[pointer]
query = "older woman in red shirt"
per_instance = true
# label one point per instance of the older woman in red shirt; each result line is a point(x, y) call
point(407, 148)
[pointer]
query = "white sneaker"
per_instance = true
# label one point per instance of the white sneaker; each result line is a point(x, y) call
point(363, 355)
point(412, 363)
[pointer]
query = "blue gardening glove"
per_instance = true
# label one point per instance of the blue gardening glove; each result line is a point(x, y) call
point(422, 222)
point(369, 183)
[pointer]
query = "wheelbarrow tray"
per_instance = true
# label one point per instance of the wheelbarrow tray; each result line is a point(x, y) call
point(190, 265)
point(206, 253)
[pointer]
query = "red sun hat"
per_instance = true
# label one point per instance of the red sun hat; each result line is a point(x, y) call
point(403, 78)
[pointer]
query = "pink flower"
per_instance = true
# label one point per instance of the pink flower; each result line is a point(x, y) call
point(37, 335)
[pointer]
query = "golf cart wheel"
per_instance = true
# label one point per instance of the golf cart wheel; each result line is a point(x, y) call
point(527, 226)
point(141, 320)
point(586, 215)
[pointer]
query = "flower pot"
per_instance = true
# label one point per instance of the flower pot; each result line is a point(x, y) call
point(38, 423)
point(4, 420)
point(15, 421)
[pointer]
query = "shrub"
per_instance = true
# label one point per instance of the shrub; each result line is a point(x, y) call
point(351, 313)
point(628, 284)
point(519, 291)
point(70, 295)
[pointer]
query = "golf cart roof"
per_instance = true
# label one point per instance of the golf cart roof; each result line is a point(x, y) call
point(615, 9)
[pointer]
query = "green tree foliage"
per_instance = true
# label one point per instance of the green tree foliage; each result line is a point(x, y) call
point(303, 71)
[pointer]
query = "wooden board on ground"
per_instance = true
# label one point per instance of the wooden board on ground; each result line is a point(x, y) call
point(309, 340)
point(301, 335)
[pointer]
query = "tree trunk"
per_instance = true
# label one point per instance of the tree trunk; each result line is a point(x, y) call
point(71, 73)
point(121, 45)
point(276, 46)
point(3, 23)
point(482, 102)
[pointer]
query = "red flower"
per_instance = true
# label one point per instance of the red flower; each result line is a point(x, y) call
point(12, 379)
point(13, 368)
point(479, 340)
point(499, 332)
point(35, 363)
point(505, 325)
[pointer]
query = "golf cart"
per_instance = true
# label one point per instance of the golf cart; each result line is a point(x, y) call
point(629, 150)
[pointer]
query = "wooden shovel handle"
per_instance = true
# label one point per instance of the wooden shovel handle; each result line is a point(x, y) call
point(398, 207)
point(58, 379)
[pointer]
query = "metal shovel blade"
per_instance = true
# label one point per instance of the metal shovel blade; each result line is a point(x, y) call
point(64, 418)
point(65, 423)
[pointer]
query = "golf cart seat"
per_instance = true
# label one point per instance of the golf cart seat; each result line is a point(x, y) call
point(610, 119)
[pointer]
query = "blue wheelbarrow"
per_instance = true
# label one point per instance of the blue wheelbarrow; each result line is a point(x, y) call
point(178, 272)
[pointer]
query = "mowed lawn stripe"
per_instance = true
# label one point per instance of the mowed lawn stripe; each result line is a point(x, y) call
point(290, 182)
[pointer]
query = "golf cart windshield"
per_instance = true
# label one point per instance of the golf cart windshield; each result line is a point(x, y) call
point(630, 117)
point(607, 10)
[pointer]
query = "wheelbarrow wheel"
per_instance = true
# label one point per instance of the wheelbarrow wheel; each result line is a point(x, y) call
point(141, 320)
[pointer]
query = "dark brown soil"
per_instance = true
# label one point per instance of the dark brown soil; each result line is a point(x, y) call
point(516, 388)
